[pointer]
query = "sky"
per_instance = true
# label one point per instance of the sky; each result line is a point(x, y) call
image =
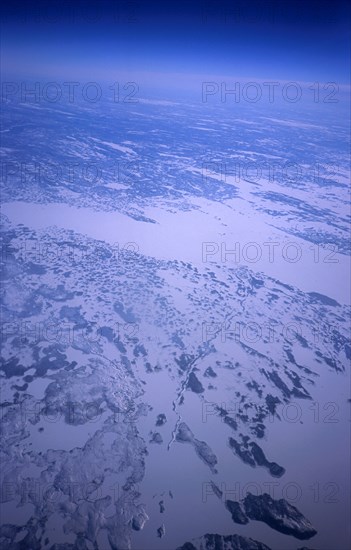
point(305, 40)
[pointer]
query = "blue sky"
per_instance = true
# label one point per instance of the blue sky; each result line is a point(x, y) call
point(296, 40)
